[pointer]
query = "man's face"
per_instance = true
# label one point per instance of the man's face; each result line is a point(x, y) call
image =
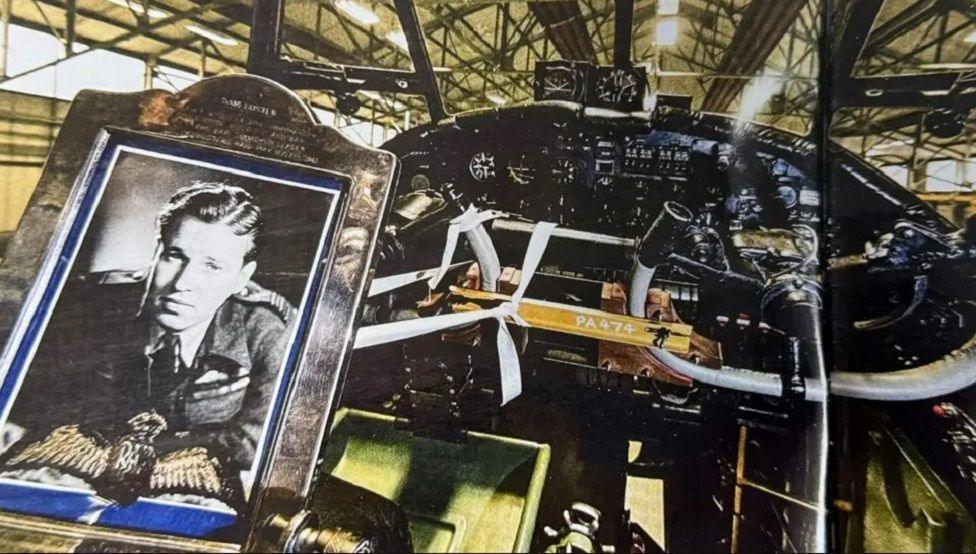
point(200, 266)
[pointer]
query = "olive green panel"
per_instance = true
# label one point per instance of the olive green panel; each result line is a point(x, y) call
point(479, 496)
point(907, 507)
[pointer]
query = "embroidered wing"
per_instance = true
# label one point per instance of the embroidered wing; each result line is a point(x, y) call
point(188, 471)
point(67, 449)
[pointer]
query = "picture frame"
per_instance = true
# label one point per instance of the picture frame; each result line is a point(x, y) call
point(236, 133)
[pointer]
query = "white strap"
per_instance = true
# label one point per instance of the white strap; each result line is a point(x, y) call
point(511, 376)
point(508, 362)
point(409, 328)
point(468, 222)
point(393, 282)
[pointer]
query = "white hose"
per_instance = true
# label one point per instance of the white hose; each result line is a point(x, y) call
point(947, 375)
point(471, 223)
point(640, 282)
point(950, 374)
point(488, 262)
point(745, 380)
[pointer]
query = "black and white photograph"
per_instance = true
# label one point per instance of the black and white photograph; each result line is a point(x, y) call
point(653, 276)
point(148, 375)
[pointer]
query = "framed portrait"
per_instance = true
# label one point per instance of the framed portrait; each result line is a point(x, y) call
point(142, 382)
point(168, 372)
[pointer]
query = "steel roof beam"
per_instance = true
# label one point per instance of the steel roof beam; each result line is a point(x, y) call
point(763, 25)
point(140, 30)
point(175, 45)
point(566, 29)
point(170, 44)
point(623, 32)
point(876, 127)
point(481, 73)
point(485, 75)
point(908, 19)
point(852, 33)
point(445, 20)
point(117, 49)
point(291, 34)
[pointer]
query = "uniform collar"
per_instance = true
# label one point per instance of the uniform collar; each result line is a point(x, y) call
point(190, 341)
point(224, 337)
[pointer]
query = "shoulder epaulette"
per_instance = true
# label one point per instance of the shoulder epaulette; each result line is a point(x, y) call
point(254, 293)
point(115, 277)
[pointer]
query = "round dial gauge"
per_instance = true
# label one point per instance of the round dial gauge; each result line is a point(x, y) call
point(520, 171)
point(482, 166)
point(787, 195)
point(618, 87)
point(564, 172)
point(420, 182)
point(559, 83)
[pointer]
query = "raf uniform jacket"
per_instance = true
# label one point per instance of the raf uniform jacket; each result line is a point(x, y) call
point(95, 367)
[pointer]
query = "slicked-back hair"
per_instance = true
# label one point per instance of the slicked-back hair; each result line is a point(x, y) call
point(213, 202)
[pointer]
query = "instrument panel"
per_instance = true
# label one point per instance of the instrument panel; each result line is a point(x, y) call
point(584, 172)
point(617, 88)
point(752, 190)
point(750, 243)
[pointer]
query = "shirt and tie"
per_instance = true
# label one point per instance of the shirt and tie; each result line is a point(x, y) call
point(170, 360)
point(101, 362)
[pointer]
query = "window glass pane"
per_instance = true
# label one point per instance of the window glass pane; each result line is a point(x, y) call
point(85, 71)
point(173, 80)
point(31, 49)
point(898, 174)
point(358, 131)
point(969, 174)
point(326, 117)
point(941, 176)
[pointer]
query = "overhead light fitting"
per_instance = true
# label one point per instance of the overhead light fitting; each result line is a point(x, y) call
point(212, 35)
point(667, 32)
point(399, 39)
point(949, 66)
point(879, 150)
point(756, 94)
point(137, 7)
point(357, 11)
point(667, 7)
point(882, 146)
point(496, 99)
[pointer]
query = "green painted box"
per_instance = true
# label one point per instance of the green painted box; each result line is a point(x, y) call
point(479, 496)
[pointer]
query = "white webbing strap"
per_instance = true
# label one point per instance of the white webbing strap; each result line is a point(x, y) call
point(511, 376)
point(508, 362)
point(468, 222)
point(384, 285)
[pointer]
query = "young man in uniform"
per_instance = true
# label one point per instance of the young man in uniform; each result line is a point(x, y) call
point(192, 337)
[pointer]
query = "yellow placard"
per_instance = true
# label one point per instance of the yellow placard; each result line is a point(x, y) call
point(592, 323)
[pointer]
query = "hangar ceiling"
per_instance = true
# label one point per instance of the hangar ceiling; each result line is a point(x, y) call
point(483, 53)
